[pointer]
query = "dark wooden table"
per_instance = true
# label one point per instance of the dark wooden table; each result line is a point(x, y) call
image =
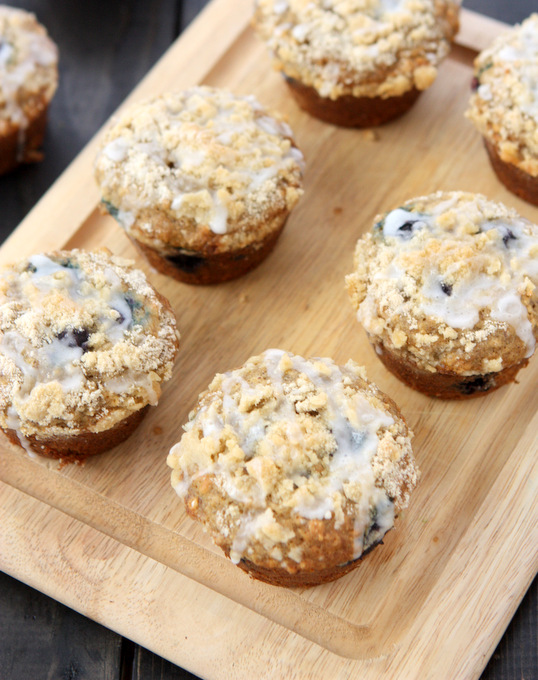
point(106, 47)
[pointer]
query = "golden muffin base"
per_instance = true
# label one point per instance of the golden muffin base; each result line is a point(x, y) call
point(514, 179)
point(350, 111)
point(76, 448)
point(210, 268)
point(327, 549)
point(19, 145)
point(446, 385)
point(301, 579)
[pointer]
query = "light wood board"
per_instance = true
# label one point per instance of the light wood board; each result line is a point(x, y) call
point(112, 540)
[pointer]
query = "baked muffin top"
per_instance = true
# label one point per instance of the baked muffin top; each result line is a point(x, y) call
point(198, 166)
point(451, 280)
point(85, 341)
point(28, 67)
point(504, 106)
point(359, 47)
point(285, 441)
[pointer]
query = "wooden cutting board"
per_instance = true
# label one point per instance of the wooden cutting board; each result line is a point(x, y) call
point(112, 540)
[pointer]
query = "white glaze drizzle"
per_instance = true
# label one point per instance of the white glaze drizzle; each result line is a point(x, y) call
point(56, 360)
point(219, 131)
point(117, 149)
point(395, 220)
point(354, 424)
point(522, 57)
point(218, 222)
point(462, 307)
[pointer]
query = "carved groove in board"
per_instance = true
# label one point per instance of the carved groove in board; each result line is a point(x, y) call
point(175, 551)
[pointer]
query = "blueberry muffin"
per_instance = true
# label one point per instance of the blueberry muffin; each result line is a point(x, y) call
point(357, 63)
point(297, 467)
point(445, 288)
point(202, 180)
point(85, 345)
point(28, 80)
point(504, 107)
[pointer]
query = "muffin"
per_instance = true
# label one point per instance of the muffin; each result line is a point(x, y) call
point(296, 466)
point(357, 63)
point(504, 107)
point(445, 288)
point(28, 80)
point(85, 344)
point(202, 180)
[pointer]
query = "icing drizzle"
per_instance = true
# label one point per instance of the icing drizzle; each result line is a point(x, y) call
point(298, 435)
point(449, 290)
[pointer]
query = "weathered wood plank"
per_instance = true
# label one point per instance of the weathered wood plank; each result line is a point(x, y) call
point(516, 656)
point(503, 10)
point(149, 666)
point(189, 10)
point(42, 639)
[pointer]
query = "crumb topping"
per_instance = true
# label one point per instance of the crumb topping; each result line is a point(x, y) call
point(210, 162)
point(450, 279)
point(28, 66)
point(284, 441)
point(84, 342)
point(359, 47)
point(504, 105)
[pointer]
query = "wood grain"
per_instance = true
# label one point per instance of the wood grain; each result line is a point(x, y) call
point(392, 612)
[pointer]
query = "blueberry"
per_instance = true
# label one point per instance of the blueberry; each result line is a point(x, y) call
point(481, 383)
point(187, 263)
point(372, 532)
point(137, 311)
point(112, 210)
point(76, 337)
point(446, 288)
point(134, 305)
point(402, 224)
point(373, 520)
point(67, 263)
point(508, 236)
